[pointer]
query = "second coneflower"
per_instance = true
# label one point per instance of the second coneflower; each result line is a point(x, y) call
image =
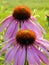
point(21, 17)
point(24, 47)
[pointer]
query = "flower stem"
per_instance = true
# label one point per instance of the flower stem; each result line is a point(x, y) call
point(26, 62)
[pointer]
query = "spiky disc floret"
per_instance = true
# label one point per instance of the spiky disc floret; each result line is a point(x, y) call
point(25, 37)
point(21, 13)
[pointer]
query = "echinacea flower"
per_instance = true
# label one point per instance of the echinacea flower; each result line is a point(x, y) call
point(24, 47)
point(20, 18)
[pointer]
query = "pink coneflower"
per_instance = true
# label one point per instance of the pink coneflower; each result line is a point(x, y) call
point(24, 47)
point(20, 18)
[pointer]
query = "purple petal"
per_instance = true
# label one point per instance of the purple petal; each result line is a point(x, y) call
point(30, 25)
point(12, 53)
point(11, 30)
point(21, 58)
point(30, 57)
point(23, 26)
point(36, 57)
point(40, 27)
point(43, 42)
point(16, 57)
point(7, 44)
point(8, 52)
point(43, 48)
point(15, 31)
point(6, 22)
point(42, 56)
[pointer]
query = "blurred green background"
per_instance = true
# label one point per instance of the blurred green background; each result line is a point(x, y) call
point(39, 9)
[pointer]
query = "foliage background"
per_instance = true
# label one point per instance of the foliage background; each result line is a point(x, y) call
point(39, 8)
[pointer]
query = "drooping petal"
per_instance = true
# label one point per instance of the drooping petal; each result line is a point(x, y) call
point(21, 58)
point(33, 27)
point(5, 23)
point(23, 26)
point(43, 48)
point(30, 57)
point(15, 31)
point(11, 29)
point(39, 26)
point(16, 57)
point(6, 44)
point(8, 52)
point(43, 42)
point(36, 57)
point(42, 56)
point(12, 53)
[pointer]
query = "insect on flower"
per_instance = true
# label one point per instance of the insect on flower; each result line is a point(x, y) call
point(24, 47)
point(21, 18)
